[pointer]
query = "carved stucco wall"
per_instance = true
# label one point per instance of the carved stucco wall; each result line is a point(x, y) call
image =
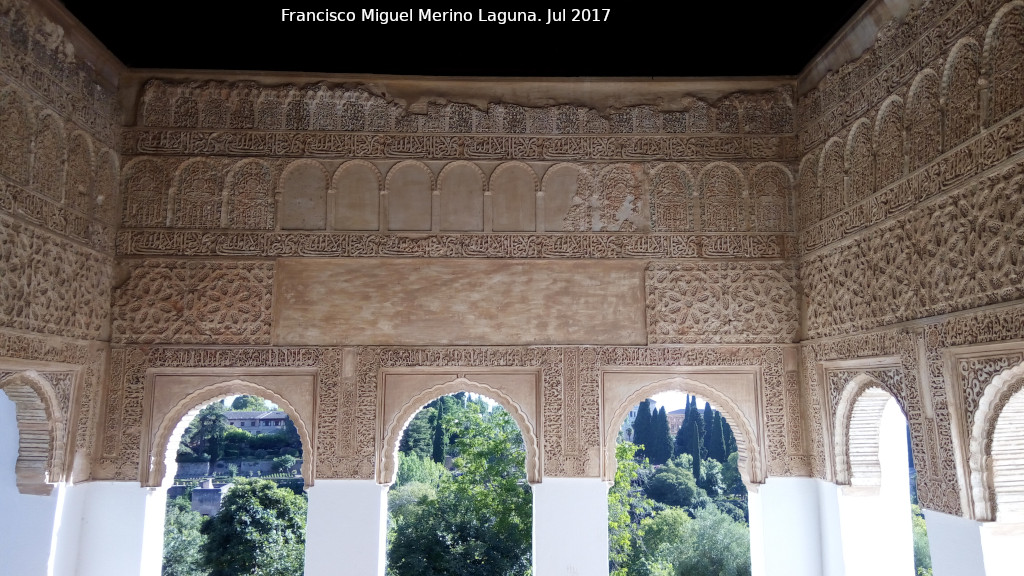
point(878, 216)
point(59, 208)
point(910, 191)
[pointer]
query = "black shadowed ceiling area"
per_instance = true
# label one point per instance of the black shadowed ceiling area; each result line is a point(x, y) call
point(739, 38)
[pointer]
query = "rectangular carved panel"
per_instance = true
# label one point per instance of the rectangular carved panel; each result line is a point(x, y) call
point(409, 302)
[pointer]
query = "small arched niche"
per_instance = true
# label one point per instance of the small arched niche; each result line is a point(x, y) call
point(404, 394)
point(173, 399)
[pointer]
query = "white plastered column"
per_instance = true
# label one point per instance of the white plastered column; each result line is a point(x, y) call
point(346, 528)
point(877, 537)
point(570, 526)
point(121, 528)
point(786, 528)
point(955, 545)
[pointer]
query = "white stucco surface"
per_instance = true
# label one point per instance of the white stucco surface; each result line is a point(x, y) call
point(570, 527)
point(785, 536)
point(346, 527)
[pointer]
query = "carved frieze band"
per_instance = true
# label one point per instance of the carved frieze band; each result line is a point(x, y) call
point(194, 302)
point(691, 302)
point(305, 144)
point(326, 107)
point(560, 245)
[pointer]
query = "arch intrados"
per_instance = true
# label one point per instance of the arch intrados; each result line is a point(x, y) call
point(892, 105)
point(991, 35)
point(549, 173)
point(174, 423)
point(408, 164)
point(449, 167)
point(297, 164)
point(834, 144)
point(770, 166)
point(919, 84)
point(702, 177)
point(393, 430)
point(513, 165)
point(1003, 386)
point(353, 164)
point(33, 479)
point(749, 461)
point(954, 59)
point(860, 127)
point(848, 413)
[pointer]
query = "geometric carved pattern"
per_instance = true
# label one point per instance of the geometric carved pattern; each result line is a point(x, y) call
point(195, 302)
point(721, 303)
point(1004, 58)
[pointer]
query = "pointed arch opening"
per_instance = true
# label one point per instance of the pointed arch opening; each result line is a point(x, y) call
point(41, 432)
point(460, 499)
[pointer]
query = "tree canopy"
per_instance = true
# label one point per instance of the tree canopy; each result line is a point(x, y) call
point(260, 530)
point(476, 520)
point(250, 404)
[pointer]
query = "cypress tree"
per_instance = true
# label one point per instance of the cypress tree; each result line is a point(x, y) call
point(730, 439)
point(695, 442)
point(440, 443)
point(660, 450)
point(642, 428)
point(683, 434)
point(709, 423)
point(716, 442)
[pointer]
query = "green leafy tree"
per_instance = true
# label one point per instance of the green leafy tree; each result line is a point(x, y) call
point(922, 552)
point(480, 522)
point(416, 468)
point(250, 404)
point(628, 505)
point(732, 482)
point(183, 540)
point(284, 463)
point(696, 448)
point(260, 530)
point(418, 435)
point(711, 544)
point(205, 434)
point(674, 485)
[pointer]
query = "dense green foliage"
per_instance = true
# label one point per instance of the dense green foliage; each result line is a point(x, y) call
point(922, 553)
point(250, 404)
point(260, 530)
point(203, 440)
point(182, 540)
point(473, 520)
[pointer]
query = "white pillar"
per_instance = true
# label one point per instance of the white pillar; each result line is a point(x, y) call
point(955, 545)
point(346, 528)
point(1001, 544)
point(570, 527)
point(877, 518)
point(785, 528)
point(832, 561)
point(122, 529)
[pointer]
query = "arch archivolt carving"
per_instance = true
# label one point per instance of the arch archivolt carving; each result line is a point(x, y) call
point(855, 430)
point(400, 407)
point(751, 461)
point(42, 429)
point(175, 398)
point(982, 479)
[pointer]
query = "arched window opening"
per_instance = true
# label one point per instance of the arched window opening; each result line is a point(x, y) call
point(237, 504)
point(678, 504)
point(880, 511)
point(460, 503)
point(1008, 461)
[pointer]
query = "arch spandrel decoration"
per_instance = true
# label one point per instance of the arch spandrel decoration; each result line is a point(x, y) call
point(400, 407)
point(751, 462)
point(170, 414)
point(982, 479)
point(41, 432)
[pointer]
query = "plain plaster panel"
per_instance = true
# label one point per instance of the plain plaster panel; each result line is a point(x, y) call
point(446, 302)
